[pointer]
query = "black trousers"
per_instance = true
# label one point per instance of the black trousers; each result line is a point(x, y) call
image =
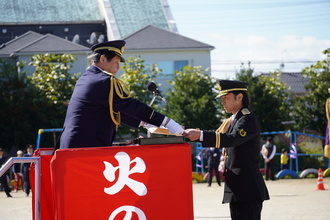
point(270, 169)
point(4, 183)
point(26, 182)
point(213, 168)
point(246, 210)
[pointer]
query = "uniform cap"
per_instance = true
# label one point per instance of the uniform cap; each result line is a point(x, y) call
point(227, 86)
point(117, 47)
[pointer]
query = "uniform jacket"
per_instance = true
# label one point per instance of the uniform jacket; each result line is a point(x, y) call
point(26, 166)
point(243, 179)
point(88, 122)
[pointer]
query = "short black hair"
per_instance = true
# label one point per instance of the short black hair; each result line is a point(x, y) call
point(96, 56)
point(246, 98)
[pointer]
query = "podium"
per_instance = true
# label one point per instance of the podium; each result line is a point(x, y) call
point(124, 182)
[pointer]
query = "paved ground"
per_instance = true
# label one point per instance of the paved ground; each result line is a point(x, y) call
point(291, 199)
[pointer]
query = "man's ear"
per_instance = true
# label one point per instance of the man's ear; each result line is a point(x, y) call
point(240, 96)
point(103, 58)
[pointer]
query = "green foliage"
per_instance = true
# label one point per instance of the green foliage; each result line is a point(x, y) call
point(310, 109)
point(137, 74)
point(52, 76)
point(192, 99)
point(54, 82)
point(268, 98)
point(21, 107)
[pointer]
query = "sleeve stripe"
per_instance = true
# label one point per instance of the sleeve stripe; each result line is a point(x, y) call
point(152, 113)
point(217, 139)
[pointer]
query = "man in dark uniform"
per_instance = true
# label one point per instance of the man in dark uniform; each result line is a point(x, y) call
point(213, 161)
point(239, 136)
point(99, 103)
point(3, 178)
point(26, 170)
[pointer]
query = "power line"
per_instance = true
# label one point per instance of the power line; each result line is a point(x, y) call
point(248, 5)
point(227, 17)
point(230, 62)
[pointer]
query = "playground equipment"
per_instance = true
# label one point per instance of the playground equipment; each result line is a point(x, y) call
point(326, 172)
point(199, 158)
point(198, 177)
point(284, 173)
point(308, 172)
point(41, 131)
point(294, 155)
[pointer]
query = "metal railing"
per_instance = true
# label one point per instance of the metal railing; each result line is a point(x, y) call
point(34, 160)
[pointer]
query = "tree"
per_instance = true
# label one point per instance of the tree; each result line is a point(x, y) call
point(268, 98)
point(192, 99)
point(53, 80)
point(310, 109)
point(137, 74)
point(20, 106)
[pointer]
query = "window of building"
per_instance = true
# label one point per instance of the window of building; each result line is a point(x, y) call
point(169, 67)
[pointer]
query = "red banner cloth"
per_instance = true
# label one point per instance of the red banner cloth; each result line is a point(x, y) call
point(46, 198)
point(131, 182)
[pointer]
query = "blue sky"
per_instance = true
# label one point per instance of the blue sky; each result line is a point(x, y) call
point(267, 33)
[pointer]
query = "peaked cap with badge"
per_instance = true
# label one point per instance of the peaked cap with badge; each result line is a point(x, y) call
point(117, 47)
point(227, 86)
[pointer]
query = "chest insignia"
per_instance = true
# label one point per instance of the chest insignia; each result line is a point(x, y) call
point(242, 133)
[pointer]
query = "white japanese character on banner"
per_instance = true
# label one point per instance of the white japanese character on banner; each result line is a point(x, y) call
point(124, 162)
point(129, 210)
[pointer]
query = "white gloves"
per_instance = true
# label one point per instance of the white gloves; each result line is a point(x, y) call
point(147, 125)
point(170, 124)
point(174, 127)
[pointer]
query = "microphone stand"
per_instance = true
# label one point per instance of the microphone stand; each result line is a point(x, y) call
point(150, 104)
point(153, 99)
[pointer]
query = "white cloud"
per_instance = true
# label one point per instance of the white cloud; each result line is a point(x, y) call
point(259, 48)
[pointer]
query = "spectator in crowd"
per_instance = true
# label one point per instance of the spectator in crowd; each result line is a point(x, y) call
point(17, 171)
point(213, 161)
point(26, 170)
point(268, 152)
point(284, 159)
point(4, 177)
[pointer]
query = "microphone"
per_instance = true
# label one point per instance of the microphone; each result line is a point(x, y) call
point(152, 87)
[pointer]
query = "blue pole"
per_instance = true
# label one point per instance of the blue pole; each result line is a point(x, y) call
point(290, 151)
point(40, 131)
point(295, 141)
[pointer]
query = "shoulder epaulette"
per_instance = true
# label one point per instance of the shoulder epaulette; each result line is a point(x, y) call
point(245, 111)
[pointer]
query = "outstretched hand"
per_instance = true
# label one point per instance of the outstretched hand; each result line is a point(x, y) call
point(192, 134)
